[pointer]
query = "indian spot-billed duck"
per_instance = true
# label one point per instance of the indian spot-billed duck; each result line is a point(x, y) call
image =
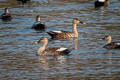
point(66, 34)
point(6, 16)
point(100, 3)
point(110, 44)
point(38, 25)
point(50, 51)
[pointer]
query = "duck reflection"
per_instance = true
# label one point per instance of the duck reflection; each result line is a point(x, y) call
point(50, 61)
point(74, 40)
point(76, 46)
point(109, 55)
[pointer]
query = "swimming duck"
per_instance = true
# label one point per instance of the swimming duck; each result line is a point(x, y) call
point(67, 34)
point(50, 51)
point(111, 45)
point(6, 15)
point(38, 25)
point(23, 1)
point(100, 3)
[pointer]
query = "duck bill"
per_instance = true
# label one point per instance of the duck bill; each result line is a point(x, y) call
point(102, 39)
point(82, 22)
point(36, 42)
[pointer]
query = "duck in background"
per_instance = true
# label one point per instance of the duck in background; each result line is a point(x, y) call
point(23, 1)
point(100, 3)
point(38, 25)
point(50, 51)
point(110, 44)
point(6, 16)
point(66, 34)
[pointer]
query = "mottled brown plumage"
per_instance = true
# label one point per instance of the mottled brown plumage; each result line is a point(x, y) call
point(67, 34)
point(51, 51)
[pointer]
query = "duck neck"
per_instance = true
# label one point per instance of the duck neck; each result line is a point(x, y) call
point(42, 48)
point(109, 40)
point(75, 29)
point(6, 11)
point(37, 19)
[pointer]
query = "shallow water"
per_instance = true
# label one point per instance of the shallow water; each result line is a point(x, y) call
point(87, 61)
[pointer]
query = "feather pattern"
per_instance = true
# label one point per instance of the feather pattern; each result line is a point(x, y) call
point(51, 51)
point(54, 51)
point(112, 45)
point(66, 34)
point(63, 34)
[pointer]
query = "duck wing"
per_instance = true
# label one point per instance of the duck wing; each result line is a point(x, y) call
point(38, 25)
point(56, 51)
point(60, 34)
point(112, 45)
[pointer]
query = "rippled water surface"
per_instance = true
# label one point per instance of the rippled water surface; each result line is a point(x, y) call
point(87, 61)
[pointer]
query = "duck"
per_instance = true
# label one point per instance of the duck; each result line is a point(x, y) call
point(66, 34)
point(50, 51)
point(110, 44)
point(100, 3)
point(6, 15)
point(38, 25)
point(23, 1)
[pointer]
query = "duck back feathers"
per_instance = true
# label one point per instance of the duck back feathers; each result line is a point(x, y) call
point(61, 34)
point(55, 51)
point(38, 25)
point(112, 45)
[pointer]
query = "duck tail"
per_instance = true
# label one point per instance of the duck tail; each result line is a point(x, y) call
point(67, 51)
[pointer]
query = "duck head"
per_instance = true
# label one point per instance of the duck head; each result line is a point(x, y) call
point(108, 38)
point(37, 18)
point(6, 10)
point(76, 21)
point(42, 40)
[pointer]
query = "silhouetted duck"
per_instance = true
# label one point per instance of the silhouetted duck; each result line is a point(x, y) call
point(6, 15)
point(38, 25)
point(67, 34)
point(111, 45)
point(23, 1)
point(50, 51)
point(100, 3)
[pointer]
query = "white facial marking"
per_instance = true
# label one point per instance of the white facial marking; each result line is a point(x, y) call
point(61, 49)
point(101, 0)
point(57, 31)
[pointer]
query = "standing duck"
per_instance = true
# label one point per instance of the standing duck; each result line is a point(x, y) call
point(67, 34)
point(111, 45)
point(38, 25)
point(6, 16)
point(100, 3)
point(50, 51)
